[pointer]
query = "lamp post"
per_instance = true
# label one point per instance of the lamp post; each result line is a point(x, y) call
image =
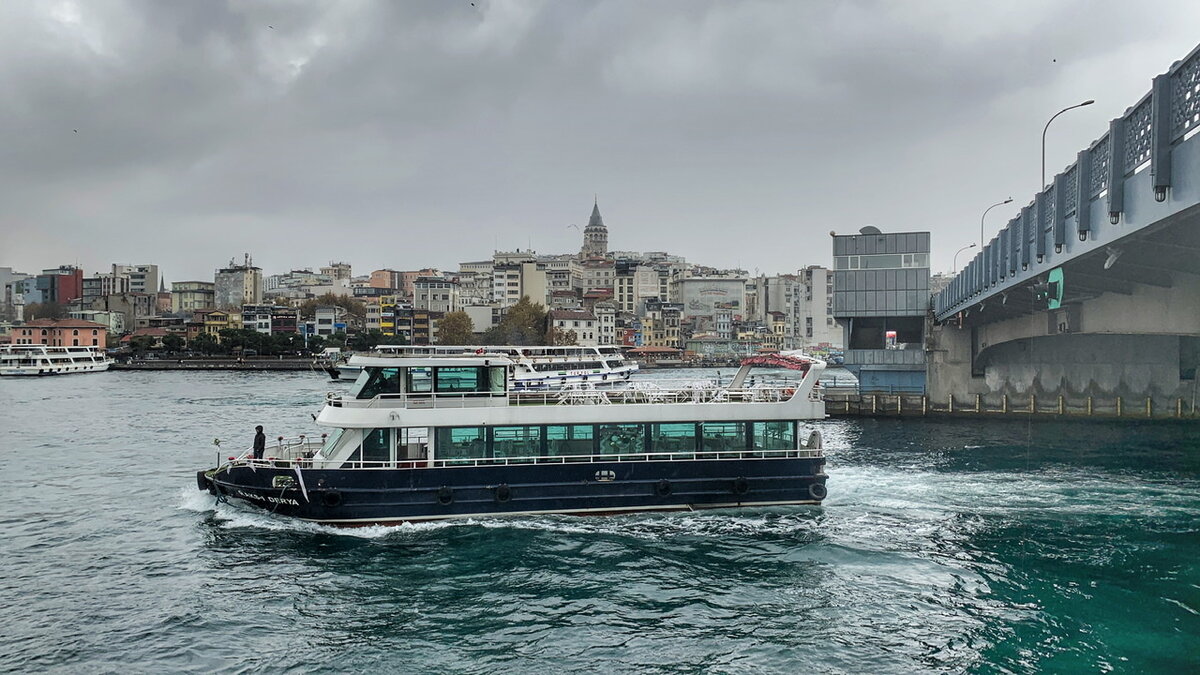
point(955, 267)
point(1072, 107)
point(985, 211)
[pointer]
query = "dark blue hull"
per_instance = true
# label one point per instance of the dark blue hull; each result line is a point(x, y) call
point(355, 497)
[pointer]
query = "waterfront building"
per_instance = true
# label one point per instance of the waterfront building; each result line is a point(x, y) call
point(61, 285)
point(61, 333)
point(329, 320)
point(483, 317)
point(880, 297)
point(575, 323)
point(238, 285)
point(371, 317)
point(338, 271)
point(189, 296)
point(385, 278)
point(409, 279)
point(660, 325)
point(114, 321)
point(142, 278)
point(104, 283)
point(435, 294)
point(593, 274)
point(606, 322)
point(705, 296)
point(513, 281)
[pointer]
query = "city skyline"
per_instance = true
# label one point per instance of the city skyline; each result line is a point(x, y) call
point(386, 135)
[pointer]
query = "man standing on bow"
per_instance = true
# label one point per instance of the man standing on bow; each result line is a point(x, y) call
point(260, 442)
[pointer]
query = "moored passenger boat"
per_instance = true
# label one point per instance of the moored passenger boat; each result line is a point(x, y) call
point(434, 436)
point(51, 360)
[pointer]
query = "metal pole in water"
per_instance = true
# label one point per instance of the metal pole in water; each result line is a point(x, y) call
point(1032, 403)
point(1118, 406)
point(1149, 407)
point(1060, 404)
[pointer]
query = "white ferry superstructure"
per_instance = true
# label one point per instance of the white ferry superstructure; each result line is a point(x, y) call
point(51, 360)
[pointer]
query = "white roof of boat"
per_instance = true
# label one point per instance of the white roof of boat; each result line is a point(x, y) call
point(405, 361)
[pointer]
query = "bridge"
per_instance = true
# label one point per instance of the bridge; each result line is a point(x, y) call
point(1090, 297)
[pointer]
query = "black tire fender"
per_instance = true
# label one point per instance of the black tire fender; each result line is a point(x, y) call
point(503, 493)
point(818, 491)
point(445, 495)
point(331, 499)
point(740, 485)
point(662, 488)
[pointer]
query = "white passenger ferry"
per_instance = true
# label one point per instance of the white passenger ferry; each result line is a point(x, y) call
point(429, 436)
point(534, 367)
point(50, 360)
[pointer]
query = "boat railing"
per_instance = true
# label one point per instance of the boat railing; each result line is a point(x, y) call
point(587, 394)
point(799, 453)
point(285, 450)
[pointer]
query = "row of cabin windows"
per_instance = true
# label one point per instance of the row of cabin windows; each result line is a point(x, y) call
point(563, 367)
point(490, 380)
point(612, 439)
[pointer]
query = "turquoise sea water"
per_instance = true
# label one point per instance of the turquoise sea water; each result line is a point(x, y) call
point(944, 546)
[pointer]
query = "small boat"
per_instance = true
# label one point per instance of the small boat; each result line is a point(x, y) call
point(535, 367)
point(51, 360)
point(434, 436)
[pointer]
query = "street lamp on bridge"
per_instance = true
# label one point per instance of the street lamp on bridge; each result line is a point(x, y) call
point(1071, 107)
point(985, 211)
point(955, 267)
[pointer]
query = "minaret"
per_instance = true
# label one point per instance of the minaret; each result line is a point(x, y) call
point(595, 236)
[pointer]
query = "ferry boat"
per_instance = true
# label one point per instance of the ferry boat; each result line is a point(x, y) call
point(535, 367)
point(51, 360)
point(438, 436)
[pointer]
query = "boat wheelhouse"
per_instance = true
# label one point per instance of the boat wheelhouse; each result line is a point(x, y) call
point(534, 367)
point(51, 360)
point(429, 436)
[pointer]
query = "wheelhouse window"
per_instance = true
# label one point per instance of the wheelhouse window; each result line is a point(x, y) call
point(516, 441)
point(419, 380)
point(569, 439)
point(376, 446)
point(461, 443)
point(676, 437)
point(459, 380)
point(774, 435)
point(376, 381)
point(622, 439)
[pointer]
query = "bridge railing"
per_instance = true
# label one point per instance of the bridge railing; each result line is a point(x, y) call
point(1145, 135)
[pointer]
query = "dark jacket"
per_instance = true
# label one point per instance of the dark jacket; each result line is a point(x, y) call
point(260, 444)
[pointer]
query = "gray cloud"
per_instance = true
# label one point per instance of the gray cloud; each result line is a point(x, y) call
point(413, 134)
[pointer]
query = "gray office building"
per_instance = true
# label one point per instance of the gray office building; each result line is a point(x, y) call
point(880, 298)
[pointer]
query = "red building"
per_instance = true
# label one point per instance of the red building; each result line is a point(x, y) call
point(61, 333)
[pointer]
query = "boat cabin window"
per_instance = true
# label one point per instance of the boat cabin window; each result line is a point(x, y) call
point(570, 439)
point(376, 381)
point(420, 380)
point(618, 439)
point(677, 437)
point(460, 380)
point(376, 446)
point(723, 436)
point(470, 443)
point(462, 442)
point(516, 441)
point(774, 435)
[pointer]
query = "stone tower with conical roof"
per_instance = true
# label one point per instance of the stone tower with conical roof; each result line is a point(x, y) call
point(595, 236)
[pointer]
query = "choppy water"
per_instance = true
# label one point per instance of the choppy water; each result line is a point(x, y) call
point(944, 546)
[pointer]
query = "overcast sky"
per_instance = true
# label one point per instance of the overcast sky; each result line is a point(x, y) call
point(414, 134)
